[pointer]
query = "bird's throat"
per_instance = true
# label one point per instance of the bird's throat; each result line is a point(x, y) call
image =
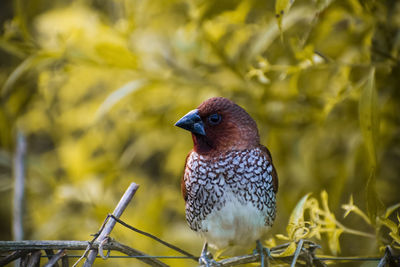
point(201, 144)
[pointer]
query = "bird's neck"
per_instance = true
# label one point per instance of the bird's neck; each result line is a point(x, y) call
point(201, 144)
point(204, 146)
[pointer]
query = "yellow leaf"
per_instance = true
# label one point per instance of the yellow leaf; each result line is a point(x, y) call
point(300, 233)
point(297, 216)
point(281, 8)
point(29, 64)
point(119, 94)
point(330, 220)
point(368, 113)
point(116, 55)
point(330, 225)
point(287, 252)
point(282, 237)
point(395, 237)
point(391, 209)
point(350, 207)
point(389, 224)
point(333, 239)
point(316, 231)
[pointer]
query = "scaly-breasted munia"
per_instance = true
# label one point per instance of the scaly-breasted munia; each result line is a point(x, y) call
point(229, 183)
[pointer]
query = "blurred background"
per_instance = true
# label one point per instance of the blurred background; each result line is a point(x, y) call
point(94, 87)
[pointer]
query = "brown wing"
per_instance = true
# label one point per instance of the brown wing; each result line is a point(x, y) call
point(273, 173)
point(183, 186)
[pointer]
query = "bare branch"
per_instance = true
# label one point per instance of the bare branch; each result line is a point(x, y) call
point(34, 259)
point(13, 256)
point(157, 239)
point(304, 256)
point(297, 253)
point(24, 247)
point(42, 245)
point(64, 261)
point(53, 260)
point(123, 203)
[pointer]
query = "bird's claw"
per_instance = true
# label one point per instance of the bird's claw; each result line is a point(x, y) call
point(206, 258)
point(266, 251)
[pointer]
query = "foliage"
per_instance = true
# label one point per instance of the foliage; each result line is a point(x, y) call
point(321, 221)
point(96, 87)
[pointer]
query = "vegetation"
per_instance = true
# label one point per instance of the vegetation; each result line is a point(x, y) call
point(96, 86)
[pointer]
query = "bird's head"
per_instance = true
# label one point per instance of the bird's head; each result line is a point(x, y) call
point(218, 125)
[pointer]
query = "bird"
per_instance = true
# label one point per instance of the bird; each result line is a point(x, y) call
point(229, 183)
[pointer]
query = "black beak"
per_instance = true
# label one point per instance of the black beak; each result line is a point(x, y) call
point(192, 122)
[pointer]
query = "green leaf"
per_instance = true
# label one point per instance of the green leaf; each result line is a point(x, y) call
point(374, 204)
point(368, 116)
point(369, 123)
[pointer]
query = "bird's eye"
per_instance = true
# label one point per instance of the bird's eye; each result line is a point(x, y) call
point(214, 119)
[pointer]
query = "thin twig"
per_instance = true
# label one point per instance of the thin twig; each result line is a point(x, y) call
point(34, 259)
point(122, 204)
point(13, 256)
point(324, 258)
point(239, 260)
point(64, 261)
point(53, 260)
point(303, 254)
point(88, 247)
point(90, 244)
point(133, 252)
point(27, 246)
point(21, 248)
point(50, 254)
point(157, 239)
point(297, 253)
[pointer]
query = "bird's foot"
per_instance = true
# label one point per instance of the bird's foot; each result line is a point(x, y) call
point(263, 251)
point(206, 258)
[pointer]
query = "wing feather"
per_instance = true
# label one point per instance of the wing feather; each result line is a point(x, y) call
point(183, 184)
point(274, 174)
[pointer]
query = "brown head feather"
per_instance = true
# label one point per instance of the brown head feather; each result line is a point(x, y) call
point(236, 130)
